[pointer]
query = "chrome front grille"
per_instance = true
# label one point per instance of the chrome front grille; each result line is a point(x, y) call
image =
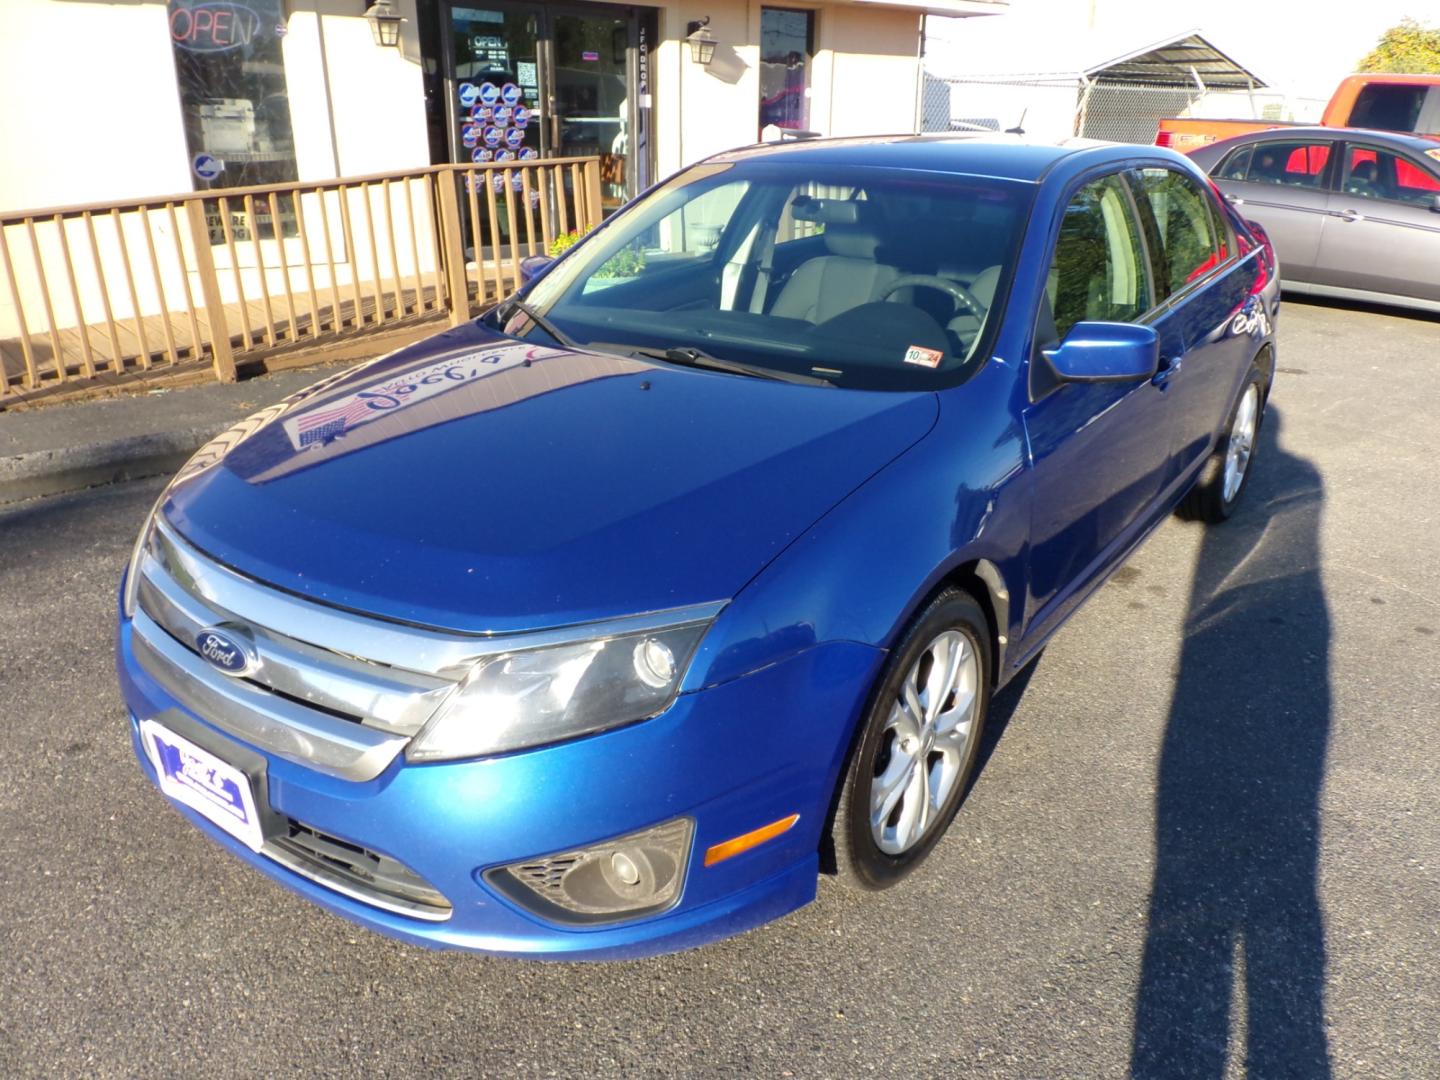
point(356, 872)
point(328, 688)
point(335, 707)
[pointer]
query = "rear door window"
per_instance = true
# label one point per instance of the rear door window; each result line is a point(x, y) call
point(1182, 224)
point(1236, 165)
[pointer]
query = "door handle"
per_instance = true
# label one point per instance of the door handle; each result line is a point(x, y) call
point(1348, 215)
point(1167, 368)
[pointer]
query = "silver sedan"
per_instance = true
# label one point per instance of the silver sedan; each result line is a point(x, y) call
point(1353, 213)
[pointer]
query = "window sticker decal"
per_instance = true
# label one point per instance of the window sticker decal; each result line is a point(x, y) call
point(918, 354)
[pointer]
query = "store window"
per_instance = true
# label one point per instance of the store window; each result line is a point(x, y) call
point(233, 97)
point(787, 43)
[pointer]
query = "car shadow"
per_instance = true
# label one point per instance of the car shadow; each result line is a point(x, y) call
point(1235, 939)
point(1003, 706)
point(1370, 307)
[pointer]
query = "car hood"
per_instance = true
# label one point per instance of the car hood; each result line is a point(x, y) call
point(480, 484)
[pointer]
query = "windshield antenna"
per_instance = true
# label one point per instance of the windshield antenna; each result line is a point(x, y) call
point(1018, 129)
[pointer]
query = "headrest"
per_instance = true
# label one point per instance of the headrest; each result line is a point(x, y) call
point(851, 241)
point(848, 229)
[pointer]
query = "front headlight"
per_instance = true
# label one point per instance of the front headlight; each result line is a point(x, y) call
point(137, 555)
point(513, 700)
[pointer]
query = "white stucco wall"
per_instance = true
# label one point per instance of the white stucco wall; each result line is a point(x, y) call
point(863, 79)
point(378, 94)
point(699, 110)
point(108, 129)
point(112, 129)
point(867, 70)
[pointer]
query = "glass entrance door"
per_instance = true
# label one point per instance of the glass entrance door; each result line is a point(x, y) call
point(525, 81)
point(496, 111)
point(593, 93)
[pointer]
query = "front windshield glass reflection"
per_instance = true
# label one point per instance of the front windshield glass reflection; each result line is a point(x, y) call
point(863, 277)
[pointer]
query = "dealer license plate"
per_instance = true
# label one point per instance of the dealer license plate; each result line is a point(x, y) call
point(212, 788)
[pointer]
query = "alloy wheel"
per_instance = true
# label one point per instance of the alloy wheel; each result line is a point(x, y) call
point(925, 743)
point(1241, 443)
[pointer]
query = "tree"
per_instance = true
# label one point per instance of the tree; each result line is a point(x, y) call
point(1410, 47)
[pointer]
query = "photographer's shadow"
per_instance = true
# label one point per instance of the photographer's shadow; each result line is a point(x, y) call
point(1235, 925)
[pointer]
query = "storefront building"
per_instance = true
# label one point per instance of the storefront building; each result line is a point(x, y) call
point(192, 94)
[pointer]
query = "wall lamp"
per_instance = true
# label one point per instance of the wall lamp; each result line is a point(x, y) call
point(702, 41)
point(384, 23)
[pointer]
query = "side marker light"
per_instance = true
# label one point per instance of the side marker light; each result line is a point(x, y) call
point(718, 853)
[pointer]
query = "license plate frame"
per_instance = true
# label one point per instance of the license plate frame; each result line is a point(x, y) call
point(201, 780)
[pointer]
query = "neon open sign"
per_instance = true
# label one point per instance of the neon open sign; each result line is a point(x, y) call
point(213, 26)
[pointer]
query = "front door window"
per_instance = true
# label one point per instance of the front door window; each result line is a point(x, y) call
point(1297, 163)
point(1098, 273)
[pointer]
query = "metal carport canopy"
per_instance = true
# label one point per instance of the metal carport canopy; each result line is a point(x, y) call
point(1023, 49)
point(1177, 60)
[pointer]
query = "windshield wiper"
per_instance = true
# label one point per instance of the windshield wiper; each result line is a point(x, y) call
point(690, 356)
point(515, 304)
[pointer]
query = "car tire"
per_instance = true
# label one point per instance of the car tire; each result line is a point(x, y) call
point(916, 747)
point(1226, 472)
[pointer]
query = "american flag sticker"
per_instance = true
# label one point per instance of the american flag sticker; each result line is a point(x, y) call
point(918, 354)
point(327, 424)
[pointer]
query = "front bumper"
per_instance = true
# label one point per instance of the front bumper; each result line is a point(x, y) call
point(732, 758)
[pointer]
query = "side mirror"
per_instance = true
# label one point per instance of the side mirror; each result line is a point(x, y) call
point(532, 266)
point(1106, 352)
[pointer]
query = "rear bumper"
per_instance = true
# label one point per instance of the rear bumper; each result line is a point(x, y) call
point(732, 758)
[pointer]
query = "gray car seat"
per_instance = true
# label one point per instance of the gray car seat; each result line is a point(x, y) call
point(1364, 180)
point(848, 275)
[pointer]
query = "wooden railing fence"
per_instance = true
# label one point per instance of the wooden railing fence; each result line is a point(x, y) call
point(127, 290)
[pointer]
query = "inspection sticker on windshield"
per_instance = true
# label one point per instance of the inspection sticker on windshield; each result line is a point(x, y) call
point(918, 354)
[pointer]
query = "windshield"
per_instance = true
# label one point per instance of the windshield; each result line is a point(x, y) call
point(861, 277)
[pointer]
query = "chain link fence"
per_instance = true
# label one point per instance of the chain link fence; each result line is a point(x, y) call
point(1060, 106)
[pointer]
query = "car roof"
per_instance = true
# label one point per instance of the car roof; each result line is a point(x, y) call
point(1011, 157)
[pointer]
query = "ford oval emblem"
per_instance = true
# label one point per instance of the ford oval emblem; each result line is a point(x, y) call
point(225, 652)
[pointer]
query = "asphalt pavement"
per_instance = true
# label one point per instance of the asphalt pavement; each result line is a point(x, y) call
point(67, 447)
point(1205, 840)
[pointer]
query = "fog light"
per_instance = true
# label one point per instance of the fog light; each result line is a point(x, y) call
point(638, 874)
point(625, 869)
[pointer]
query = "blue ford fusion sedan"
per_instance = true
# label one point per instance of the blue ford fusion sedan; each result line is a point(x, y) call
point(601, 625)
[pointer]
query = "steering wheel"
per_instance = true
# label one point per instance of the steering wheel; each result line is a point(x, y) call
point(957, 292)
